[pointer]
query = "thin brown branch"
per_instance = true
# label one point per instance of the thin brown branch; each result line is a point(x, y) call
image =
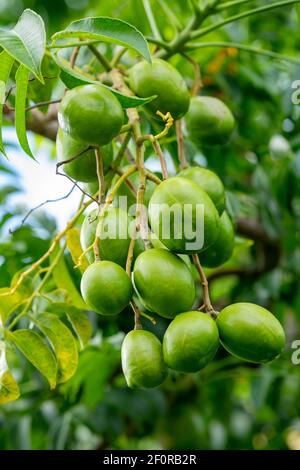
point(180, 145)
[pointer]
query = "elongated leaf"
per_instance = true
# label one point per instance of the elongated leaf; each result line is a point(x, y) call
point(9, 389)
point(26, 42)
point(109, 30)
point(72, 78)
point(22, 76)
point(63, 343)
point(81, 325)
point(6, 63)
point(64, 281)
point(34, 348)
point(8, 303)
point(73, 243)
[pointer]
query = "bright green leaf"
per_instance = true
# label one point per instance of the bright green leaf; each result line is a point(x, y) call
point(64, 281)
point(81, 325)
point(34, 348)
point(26, 42)
point(108, 30)
point(63, 343)
point(22, 76)
point(6, 63)
point(9, 389)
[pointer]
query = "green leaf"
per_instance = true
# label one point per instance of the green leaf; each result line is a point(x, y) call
point(74, 246)
point(9, 389)
point(63, 343)
point(34, 348)
point(26, 42)
point(64, 281)
point(107, 30)
point(81, 325)
point(72, 78)
point(6, 63)
point(22, 76)
point(8, 303)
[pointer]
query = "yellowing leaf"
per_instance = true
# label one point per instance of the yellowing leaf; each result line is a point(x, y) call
point(34, 348)
point(9, 389)
point(73, 243)
point(81, 324)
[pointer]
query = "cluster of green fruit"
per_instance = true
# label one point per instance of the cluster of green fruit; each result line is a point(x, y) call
point(90, 116)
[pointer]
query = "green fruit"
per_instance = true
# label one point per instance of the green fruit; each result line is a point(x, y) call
point(161, 79)
point(163, 282)
point(84, 167)
point(209, 121)
point(90, 113)
point(114, 236)
point(250, 332)
point(209, 182)
point(183, 216)
point(221, 250)
point(190, 342)
point(142, 360)
point(106, 288)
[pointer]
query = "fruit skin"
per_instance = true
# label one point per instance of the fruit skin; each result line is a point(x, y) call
point(163, 282)
point(162, 79)
point(250, 332)
point(190, 342)
point(181, 191)
point(209, 182)
point(84, 167)
point(220, 251)
point(90, 113)
point(115, 243)
point(106, 288)
point(209, 121)
point(142, 360)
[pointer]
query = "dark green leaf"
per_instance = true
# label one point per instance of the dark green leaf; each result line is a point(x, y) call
point(108, 30)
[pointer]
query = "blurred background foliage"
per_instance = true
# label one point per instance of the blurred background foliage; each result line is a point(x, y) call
point(229, 405)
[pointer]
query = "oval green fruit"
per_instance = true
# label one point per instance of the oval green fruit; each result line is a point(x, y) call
point(142, 360)
point(162, 79)
point(183, 216)
point(163, 282)
point(190, 341)
point(90, 113)
point(106, 288)
point(114, 236)
point(209, 121)
point(84, 167)
point(250, 332)
point(209, 182)
point(221, 250)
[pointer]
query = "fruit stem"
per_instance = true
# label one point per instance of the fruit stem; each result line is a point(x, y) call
point(100, 176)
point(161, 157)
point(180, 145)
point(137, 316)
point(207, 305)
point(197, 74)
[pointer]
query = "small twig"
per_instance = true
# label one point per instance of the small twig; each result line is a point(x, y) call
point(103, 61)
point(152, 319)
point(197, 75)
point(74, 56)
point(100, 176)
point(207, 305)
point(64, 162)
point(180, 145)
point(152, 177)
point(41, 205)
point(117, 57)
point(130, 254)
point(41, 104)
point(162, 160)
